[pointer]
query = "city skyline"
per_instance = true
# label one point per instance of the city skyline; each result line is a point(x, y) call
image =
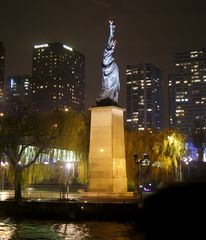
point(146, 32)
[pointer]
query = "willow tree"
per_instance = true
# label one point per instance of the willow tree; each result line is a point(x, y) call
point(199, 137)
point(165, 149)
point(138, 142)
point(171, 153)
point(21, 128)
point(75, 137)
point(84, 149)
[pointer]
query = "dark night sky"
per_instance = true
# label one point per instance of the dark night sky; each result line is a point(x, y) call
point(146, 31)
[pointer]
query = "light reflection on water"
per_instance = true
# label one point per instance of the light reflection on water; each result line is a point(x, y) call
point(6, 229)
point(14, 229)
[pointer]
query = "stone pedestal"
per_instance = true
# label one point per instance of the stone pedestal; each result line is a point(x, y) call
point(107, 166)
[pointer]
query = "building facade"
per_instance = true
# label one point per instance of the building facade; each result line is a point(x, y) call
point(144, 97)
point(58, 78)
point(18, 89)
point(187, 88)
point(2, 67)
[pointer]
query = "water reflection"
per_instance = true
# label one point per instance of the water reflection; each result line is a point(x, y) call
point(72, 231)
point(13, 229)
point(7, 229)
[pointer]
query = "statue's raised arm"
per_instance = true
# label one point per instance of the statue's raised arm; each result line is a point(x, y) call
point(110, 72)
point(111, 32)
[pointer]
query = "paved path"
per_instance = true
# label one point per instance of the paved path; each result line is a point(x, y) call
point(53, 195)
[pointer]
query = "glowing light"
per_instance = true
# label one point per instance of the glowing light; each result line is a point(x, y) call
point(67, 47)
point(41, 46)
point(147, 189)
point(69, 165)
point(3, 164)
point(171, 139)
point(12, 83)
point(4, 196)
point(101, 150)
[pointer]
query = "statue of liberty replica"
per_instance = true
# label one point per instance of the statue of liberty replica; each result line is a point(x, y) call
point(110, 73)
point(107, 166)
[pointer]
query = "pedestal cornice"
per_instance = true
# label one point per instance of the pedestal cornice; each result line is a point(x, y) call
point(106, 107)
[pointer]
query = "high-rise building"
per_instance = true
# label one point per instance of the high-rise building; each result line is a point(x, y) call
point(58, 78)
point(171, 100)
point(2, 67)
point(188, 90)
point(144, 97)
point(18, 87)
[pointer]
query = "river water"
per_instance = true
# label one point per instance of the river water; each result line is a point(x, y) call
point(29, 229)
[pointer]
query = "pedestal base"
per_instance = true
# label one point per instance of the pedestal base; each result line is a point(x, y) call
point(107, 166)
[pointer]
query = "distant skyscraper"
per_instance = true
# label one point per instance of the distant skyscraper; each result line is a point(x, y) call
point(18, 87)
point(58, 78)
point(144, 97)
point(171, 99)
point(188, 90)
point(2, 66)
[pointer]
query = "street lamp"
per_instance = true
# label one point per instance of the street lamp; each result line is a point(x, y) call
point(187, 161)
point(140, 163)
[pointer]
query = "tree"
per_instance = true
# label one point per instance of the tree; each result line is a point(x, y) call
point(199, 138)
point(171, 153)
point(138, 142)
point(75, 137)
point(164, 148)
point(21, 128)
